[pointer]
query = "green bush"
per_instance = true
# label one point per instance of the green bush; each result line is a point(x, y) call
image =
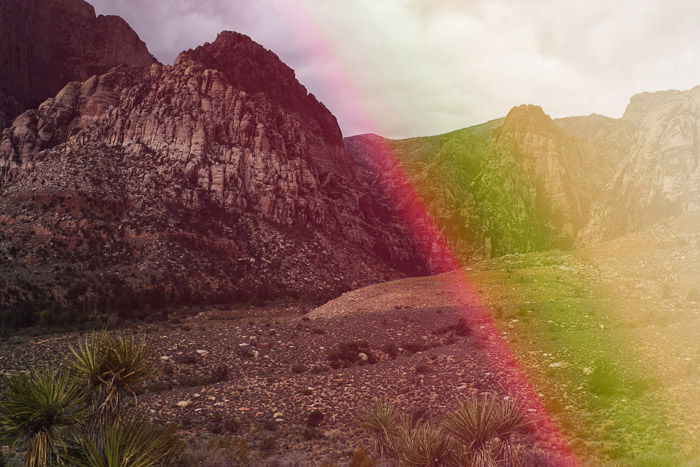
point(478, 421)
point(605, 379)
point(422, 445)
point(382, 421)
point(122, 441)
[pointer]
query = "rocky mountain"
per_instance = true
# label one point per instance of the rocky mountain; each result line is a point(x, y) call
point(517, 184)
point(127, 184)
point(44, 44)
point(528, 183)
point(216, 179)
point(537, 184)
point(659, 177)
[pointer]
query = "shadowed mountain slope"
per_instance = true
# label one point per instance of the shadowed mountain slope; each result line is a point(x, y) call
point(44, 44)
point(182, 184)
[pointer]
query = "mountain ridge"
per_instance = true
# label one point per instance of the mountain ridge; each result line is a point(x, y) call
point(44, 44)
point(169, 185)
point(221, 178)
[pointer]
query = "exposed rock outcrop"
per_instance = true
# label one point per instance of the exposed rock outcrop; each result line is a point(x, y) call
point(533, 191)
point(183, 183)
point(45, 44)
point(518, 184)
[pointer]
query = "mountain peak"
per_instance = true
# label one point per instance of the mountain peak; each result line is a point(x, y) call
point(46, 44)
point(528, 118)
point(527, 113)
point(254, 69)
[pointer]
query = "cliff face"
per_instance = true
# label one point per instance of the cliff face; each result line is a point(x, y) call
point(532, 192)
point(659, 178)
point(513, 185)
point(45, 44)
point(183, 183)
point(528, 182)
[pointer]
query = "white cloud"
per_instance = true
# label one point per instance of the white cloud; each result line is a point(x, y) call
point(415, 67)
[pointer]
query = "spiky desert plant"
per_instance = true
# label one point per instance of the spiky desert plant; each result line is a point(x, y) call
point(110, 367)
point(37, 411)
point(476, 421)
point(121, 442)
point(381, 421)
point(422, 445)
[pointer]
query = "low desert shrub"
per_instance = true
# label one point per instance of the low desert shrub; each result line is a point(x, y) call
point(382, 421)
point(349, 353)
point(315, 418)
point(605, 379)
point(423, 445)
point(37, 412)
point(391, 349)
point(478, 432)
point(124, 440)
point(476, 421)
point(219, 373)
point(110, 367)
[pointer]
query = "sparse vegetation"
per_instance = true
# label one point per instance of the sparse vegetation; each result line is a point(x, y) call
point(605, 379)
point(478, 432)
point(350, 353)
point(77, 414)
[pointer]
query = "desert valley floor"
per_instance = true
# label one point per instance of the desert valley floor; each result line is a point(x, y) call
point(265, 378)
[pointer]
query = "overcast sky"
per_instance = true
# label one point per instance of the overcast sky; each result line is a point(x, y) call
point(405, 68)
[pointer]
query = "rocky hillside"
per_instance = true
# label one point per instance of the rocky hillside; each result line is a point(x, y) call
point(190, 183)
point(44, 44)
point(427, 180)
point(528, 183)
point(659, 177)
point(517, 184)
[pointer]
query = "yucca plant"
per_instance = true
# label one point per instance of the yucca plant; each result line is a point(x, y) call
point(121, 442)
point(381, 421)
point(37, 411)
point(476, 422)
point(423, 445)
point(109, 367)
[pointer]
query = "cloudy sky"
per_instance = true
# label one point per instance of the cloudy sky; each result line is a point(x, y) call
point(405, 68)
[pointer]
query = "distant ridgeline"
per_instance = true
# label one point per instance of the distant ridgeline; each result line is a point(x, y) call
point(220, 178)
point(529, 183)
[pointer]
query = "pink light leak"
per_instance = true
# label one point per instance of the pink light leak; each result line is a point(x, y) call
point(422, 225)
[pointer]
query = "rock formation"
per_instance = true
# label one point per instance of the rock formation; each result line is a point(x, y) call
point(45, 44)
point(659, 178)
point(128, 184)
point(533, 191)
point(512, 185)
point(187, 183)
